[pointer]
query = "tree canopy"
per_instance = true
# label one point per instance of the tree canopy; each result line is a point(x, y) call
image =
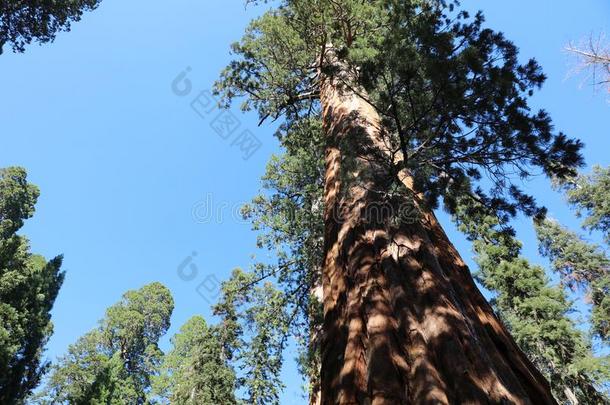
point(24, 21)
point(452, 93)
point(196, 371)
point(453, 99)
point(114, 363)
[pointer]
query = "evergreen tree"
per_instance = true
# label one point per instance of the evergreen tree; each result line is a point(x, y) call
point(28, 288)
point(590, 195)
point(23, 21)
point(288, 217)
point(114, 363)
point(195, 371)
point(417, 101)
point(254, 334)
point(535, 311)
point(581, 265)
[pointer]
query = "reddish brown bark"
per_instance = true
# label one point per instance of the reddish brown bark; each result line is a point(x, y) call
point(404, 322)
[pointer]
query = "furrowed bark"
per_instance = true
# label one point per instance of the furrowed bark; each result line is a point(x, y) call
point(404, 322)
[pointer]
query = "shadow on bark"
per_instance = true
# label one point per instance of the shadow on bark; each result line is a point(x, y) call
point(404, 322)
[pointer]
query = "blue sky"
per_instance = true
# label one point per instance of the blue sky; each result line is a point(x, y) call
point(124, 164)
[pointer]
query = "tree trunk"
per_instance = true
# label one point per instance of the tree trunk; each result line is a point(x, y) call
point(315, 395)
point(404, 322)
point(570, 396)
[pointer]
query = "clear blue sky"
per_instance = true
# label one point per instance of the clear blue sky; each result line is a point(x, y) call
point(122, 162)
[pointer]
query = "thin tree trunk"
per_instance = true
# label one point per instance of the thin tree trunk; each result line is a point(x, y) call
point(315, 395)
point(571, 396)
point(404, 322)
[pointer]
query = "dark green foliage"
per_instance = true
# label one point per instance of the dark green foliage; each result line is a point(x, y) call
point(24, 21)
point(28, 288)
point(114, 363)
point(195, 371)
point(452, 93)
point(17, 200)
point(600, 316)
point(535, 311)
point(457, 97)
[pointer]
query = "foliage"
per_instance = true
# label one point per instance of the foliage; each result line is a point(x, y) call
point(581, 265)
point(590, 195)
point(28, 288)
point(454, 103)
point(195, 371)
point(535, 311)
point(114, 363)
point(23, 21)
point(453, 95)
point(255, 332)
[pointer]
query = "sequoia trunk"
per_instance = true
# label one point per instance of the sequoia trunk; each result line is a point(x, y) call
point(404, 322)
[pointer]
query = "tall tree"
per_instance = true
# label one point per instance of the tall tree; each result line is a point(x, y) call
point(581, 265)
point(289, 217)
point(417, 101)
point(535, 311)
point(29, 285)
point(23, 21)
point(195, 371)
point(254, 336)
point(114, 363)
point(589, 194)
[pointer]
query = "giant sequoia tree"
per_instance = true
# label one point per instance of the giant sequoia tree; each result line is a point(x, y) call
point(115, 362)
point(418, 103)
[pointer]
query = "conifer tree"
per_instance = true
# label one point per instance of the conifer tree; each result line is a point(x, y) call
point(114, 363)
point(581, 265)
point(195, 371)
point(417, 101)
point(535, 311)
point(29, 285)
point(253, 332)
point(589, 194)
point(24, 21)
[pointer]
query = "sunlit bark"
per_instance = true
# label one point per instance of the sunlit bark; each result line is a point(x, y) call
point(404, 322)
